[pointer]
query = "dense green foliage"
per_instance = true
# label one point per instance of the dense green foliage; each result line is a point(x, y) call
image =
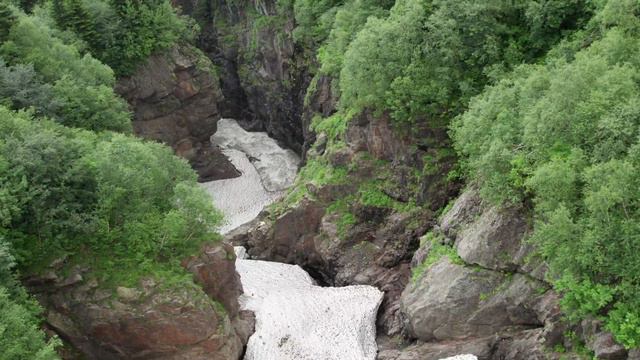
point(560, 133)
point(58, 82)
point(143, 27)
point(349, 19)
point(70, 187)
point(428, 58)
point(565, 133)
point(20, 336)
point(6, 20)
point(69, 191)
point(122, 33)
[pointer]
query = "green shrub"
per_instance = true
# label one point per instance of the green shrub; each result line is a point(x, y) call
point(20, 333)
point(20, 87)
point(144, 27)
point(349, 19)
point(91, 107)
point(428, 58)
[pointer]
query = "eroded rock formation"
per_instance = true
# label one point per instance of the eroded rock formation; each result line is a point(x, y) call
point(152, 320)
point(377, 248)
point(174, 98)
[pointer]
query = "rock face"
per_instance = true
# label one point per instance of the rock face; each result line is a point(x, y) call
point(376, 248)
point(263, 75)
point(600, 341)
point(305, 235)
point(480, 348)
point(453, 301)
point(492, 301)
point(174, 98)
point(150, 321)
point(491, 237)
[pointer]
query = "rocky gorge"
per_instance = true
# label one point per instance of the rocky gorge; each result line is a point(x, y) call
point(456, 274)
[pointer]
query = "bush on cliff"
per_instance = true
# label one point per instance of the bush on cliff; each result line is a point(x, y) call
point(20, 335)
point(428, 58)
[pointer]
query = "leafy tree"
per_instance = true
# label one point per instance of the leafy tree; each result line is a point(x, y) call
point(92, 107)
point(349, 19)
point(73, 15)
point(379, 53)
point(66, 190)
point(78, 89)
point(428, 58)
point(31, 41)
point(313, 20)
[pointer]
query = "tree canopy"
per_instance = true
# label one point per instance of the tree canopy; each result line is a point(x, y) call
point(565, 134)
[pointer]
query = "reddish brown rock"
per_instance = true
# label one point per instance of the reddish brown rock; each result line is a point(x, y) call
point(375, 135)
point(152, 321)
point(370, 253)
point(174, 97)
point(214, 269)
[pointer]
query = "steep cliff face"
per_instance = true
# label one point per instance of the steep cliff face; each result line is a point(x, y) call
point(263, 75)
point(153, 320)
point(174, 97)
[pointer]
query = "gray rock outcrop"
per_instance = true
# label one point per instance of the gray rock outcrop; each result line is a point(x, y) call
point(452, 301)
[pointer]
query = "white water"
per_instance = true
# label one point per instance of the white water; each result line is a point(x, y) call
point(295, 319)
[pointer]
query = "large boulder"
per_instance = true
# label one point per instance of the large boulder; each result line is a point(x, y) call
point(451, 301)
point(600, 341)
point(529, 344)
point(492, 237)
point(290, 237)
point(465, 209)
point(152, 320)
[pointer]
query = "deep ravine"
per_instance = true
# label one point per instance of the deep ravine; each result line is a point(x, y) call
point(295, 318)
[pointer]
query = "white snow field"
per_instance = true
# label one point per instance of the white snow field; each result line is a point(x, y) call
point(298, 320)
point(264, 178)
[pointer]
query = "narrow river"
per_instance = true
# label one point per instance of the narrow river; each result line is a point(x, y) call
point(295, 318)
